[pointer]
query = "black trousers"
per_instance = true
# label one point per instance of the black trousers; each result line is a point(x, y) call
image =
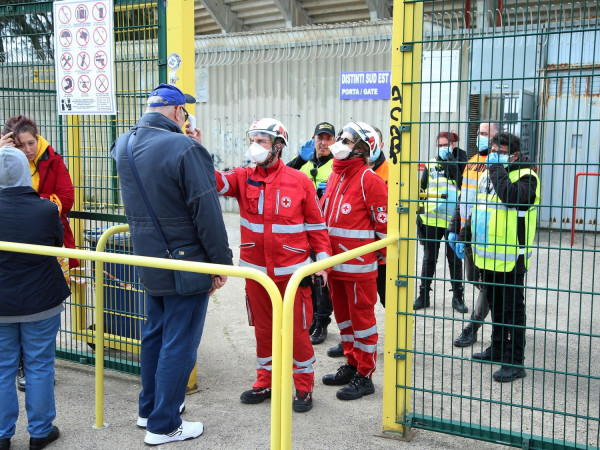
point(381, 283)
point(434, 236)
point(322, 307)
point(505, 292)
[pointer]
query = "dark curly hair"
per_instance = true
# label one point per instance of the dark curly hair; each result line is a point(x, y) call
point(20, 124)
point(503, 138)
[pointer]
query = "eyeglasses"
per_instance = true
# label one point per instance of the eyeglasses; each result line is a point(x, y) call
point(185, 114)
point(346, 141)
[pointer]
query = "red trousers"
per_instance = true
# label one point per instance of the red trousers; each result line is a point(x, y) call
point(260, 315)
point(354, 309)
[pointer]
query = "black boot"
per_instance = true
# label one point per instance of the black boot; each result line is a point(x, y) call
point(21, 383)
point(422, 300)
point(468, 336)
point(458, 301)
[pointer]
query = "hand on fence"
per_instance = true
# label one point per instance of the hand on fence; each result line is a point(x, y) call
point(218, 281)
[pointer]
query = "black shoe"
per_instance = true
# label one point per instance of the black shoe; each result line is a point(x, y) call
point(319, 334)
point(311, 329)
point(336, 351)
point(21, 378)
point(358, 386)
point(486, 355)
point(509, 373)
point(255, 395)
point(302, 401)
point(467, 338)
point(39, 443)
point(4, 444)
point(458, 303)
point(343, 376)
point(421, 302)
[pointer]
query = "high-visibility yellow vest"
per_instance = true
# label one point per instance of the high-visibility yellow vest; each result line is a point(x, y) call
point(442, 196)
point(323, 171)
point(494, 226)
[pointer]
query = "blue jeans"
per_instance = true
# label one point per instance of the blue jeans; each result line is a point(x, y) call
point(170, 339)
point(37, 341)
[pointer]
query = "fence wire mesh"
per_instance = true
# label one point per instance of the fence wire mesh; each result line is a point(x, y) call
point(27, 86)
point(531, 68)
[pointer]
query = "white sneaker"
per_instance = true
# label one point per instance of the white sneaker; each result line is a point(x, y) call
point(142, 422)
point(187, 430)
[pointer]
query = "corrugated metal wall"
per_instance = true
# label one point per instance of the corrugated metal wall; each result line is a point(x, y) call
point(292, 76)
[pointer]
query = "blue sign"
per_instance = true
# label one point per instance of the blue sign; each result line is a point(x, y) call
point(365, 85)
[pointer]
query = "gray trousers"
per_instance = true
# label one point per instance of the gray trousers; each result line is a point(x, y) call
point(482, 305)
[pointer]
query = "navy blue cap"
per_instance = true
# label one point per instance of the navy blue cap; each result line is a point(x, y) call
point(171, 95)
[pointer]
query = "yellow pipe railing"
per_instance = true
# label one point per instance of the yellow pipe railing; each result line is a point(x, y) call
point(287, 331)
point(170, 264)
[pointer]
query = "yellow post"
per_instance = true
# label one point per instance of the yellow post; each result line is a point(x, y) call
point(403, 198)
point(180, 47)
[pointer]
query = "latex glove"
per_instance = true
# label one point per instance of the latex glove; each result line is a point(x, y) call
point(307, 150)
point(460, 250)
point(321, 186)
point(452, 238)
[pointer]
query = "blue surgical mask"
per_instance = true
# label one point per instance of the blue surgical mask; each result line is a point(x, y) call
point(373, 158)
point(443, 152)
point(483, 143)
point(497, 158)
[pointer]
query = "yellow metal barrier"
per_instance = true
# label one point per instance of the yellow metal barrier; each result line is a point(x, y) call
point(287, 331)
point(170, 264)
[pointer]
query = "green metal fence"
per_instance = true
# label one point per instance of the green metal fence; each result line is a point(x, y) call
point(532, 67)
point(27, 86)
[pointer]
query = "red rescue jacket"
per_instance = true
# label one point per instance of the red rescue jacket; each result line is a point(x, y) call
point(355, 207)
point(281, 221)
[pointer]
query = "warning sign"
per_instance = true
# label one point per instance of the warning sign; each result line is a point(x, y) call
point(85, 57)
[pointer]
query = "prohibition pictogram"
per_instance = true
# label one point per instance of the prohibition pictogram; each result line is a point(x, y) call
point(100, 35)
point(64, 14)
point(65, 38)
point(83, 60)
point(84, 83)
point(81, 13)
point(102, 83)
point(99, 11)
point(83, 37)
point(66, 61)
point(67, 84)
point(100, 59)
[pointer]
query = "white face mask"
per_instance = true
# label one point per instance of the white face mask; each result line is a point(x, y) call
point(257, 153)
point(339, 150)
point(375, 156)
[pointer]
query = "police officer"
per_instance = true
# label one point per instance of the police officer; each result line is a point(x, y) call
point(503, 224)
point(315, 160)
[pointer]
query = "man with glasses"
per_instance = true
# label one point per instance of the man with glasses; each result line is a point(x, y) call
point(315, 160)
point(175, 174)
point(502, 228)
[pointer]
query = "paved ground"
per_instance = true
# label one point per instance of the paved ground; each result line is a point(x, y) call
point(226, 365)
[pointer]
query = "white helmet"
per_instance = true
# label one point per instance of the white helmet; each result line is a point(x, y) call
point(365, 133)
point(271, 127)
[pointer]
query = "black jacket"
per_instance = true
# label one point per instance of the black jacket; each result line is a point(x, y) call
point(29, 284)
point(178, 176)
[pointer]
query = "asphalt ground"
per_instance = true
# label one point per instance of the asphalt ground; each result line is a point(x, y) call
point(226, 367)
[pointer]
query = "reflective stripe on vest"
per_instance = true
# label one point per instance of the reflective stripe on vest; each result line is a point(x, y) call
point(356, 268)
point(495, 227)
point(438, 211)
point(277, 271)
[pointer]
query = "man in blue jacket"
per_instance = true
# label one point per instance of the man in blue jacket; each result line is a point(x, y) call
point(178, 178)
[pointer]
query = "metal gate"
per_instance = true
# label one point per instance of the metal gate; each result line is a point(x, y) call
point(27, 86)
point(454, 66)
